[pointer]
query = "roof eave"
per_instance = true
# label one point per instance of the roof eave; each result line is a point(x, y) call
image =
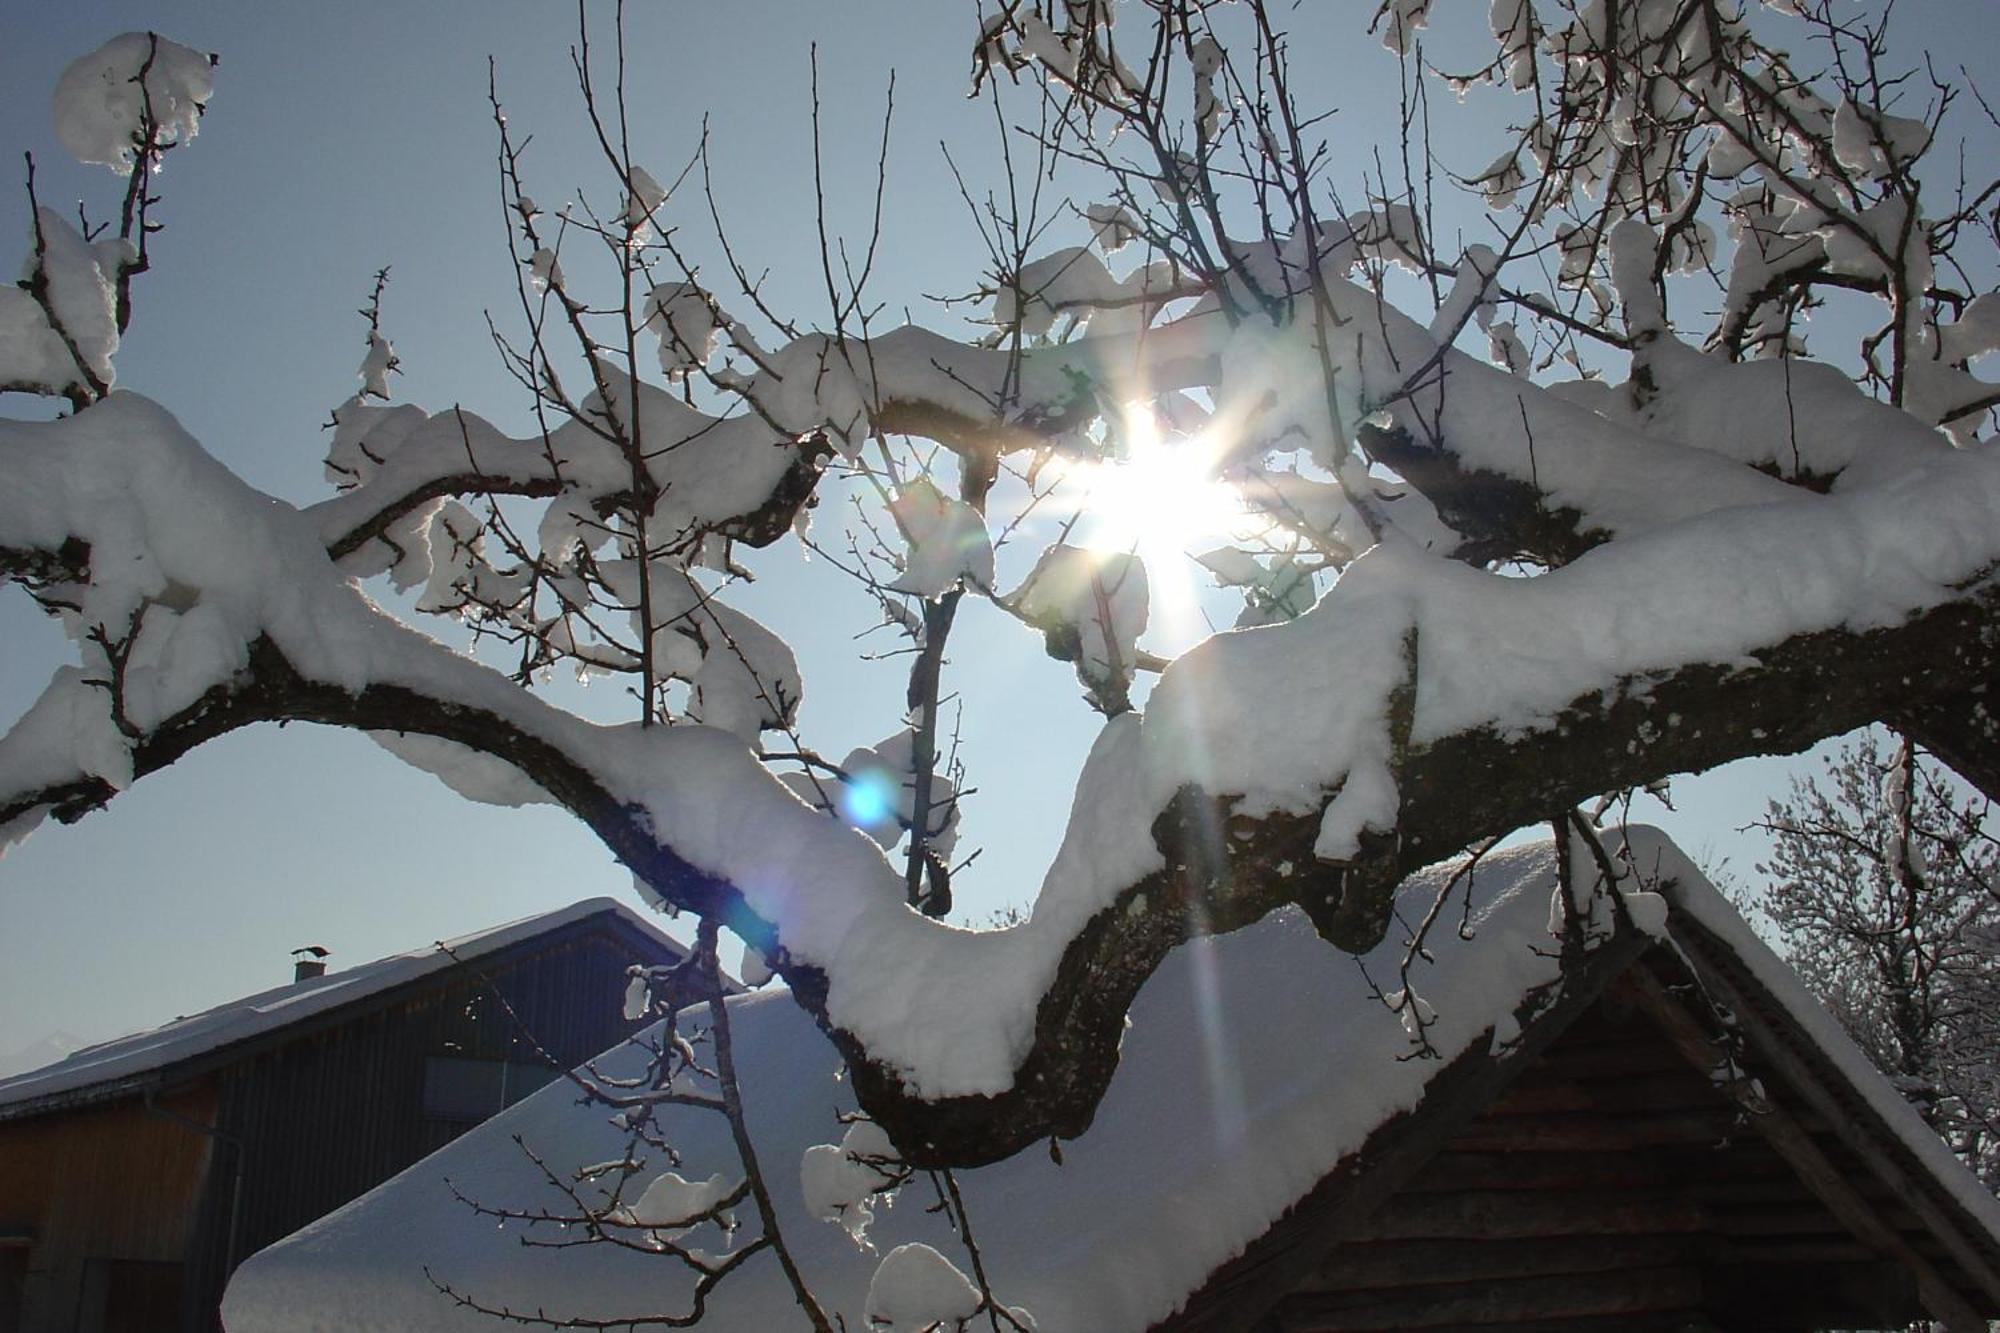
point(1240, 1293)
point(175, 1073)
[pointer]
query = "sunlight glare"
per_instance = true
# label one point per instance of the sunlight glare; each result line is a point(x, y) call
point(1163, 496)
point(1162, 500)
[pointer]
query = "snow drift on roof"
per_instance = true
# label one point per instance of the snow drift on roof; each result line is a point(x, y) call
point(1254, 1063)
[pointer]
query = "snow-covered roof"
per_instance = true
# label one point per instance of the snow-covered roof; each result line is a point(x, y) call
point(125, 1063)
point(1253, 1065)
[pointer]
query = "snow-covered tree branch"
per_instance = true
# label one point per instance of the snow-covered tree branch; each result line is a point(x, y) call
point(1617, 537)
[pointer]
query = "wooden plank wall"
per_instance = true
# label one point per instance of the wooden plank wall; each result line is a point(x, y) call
point(106, 1181)
point(327, 1118)
point(1611, 1188)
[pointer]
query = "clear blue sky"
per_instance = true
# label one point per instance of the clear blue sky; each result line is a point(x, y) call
point(346, 137)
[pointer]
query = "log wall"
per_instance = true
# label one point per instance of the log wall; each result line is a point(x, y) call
point(1612, 1187)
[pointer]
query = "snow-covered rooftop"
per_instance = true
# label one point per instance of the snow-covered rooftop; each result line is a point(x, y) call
point(108, 1067)
point(1253, 1065)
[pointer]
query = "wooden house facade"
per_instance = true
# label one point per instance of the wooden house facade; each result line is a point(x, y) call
point(1661, 1132)
point(1666, 1150)
point(135, 1175)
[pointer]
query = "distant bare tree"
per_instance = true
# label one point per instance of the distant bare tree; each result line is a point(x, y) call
point(1884, 888)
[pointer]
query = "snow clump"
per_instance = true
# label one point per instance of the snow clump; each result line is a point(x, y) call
point(100, 104)
point(841, 1182)
point(918, 1288)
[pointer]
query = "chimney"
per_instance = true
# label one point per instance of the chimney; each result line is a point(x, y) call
point(308, 962)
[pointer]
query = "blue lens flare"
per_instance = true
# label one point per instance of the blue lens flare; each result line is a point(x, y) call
point(867, 798)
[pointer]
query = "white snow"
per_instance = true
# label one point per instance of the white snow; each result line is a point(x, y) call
point(101, 101)
point(671, 1202)
point(838, 1182)
point(78, 290)
point(1098, 596)
point(210, 565)
point(376, 364)
point(638, 996)
point(1714, 562)
point(647, 194)
point(543, 270)
point(683, 318)
point(473, 775)
point(916, 1288)
point(1687, 892)
point(879, 796)
point(1254, 1062)
point(948, 541)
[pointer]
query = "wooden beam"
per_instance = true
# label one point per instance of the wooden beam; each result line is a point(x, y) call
point(1815, 1169)
point(1730, 1190)
point(1670, 1090)
point(1513, 1215)
point(1454, 1170)
point(1808, 1215)
point(1875, 1294)
point(1610, 1060)
point(1651, 1321)
point(1841, 1249)
point(1888, 1167)
point(1595, 1131)
point(1622, 1292)
point(1361, 1265)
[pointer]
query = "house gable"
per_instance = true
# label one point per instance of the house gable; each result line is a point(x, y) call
point(205, 1140)
point(1651, 1166)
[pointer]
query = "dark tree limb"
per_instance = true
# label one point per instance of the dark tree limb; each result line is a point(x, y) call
point(1222, 871)
point(1499, 518)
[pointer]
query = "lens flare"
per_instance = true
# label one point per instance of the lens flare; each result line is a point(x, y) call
point(866, 799)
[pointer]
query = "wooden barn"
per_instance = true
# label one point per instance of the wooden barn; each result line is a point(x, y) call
point(1663, 1133)
point(136, 1174)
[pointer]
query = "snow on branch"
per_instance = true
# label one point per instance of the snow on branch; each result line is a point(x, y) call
point(1485, 594)
point(209, 607)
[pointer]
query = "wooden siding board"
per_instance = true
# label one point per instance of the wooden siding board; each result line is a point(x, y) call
point(1239, 1294)
point(1422, 1263)
point(329, 1116)
point(117, 1181)
point(1620, 1292)
point(1609, 1154)
point(1875, 1148)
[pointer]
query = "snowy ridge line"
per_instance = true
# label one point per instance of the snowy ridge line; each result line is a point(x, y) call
point(1724, 948)
point(248, 621)
point(110, 1068)
point(1296, 1099)
point(1135, 1237)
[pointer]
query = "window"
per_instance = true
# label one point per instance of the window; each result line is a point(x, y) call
point(462, 1089)
point(129, 1296)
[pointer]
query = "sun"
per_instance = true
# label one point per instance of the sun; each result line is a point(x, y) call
point(1162, 496)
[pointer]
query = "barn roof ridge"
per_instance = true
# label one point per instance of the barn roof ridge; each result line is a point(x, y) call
point(189, 1044)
